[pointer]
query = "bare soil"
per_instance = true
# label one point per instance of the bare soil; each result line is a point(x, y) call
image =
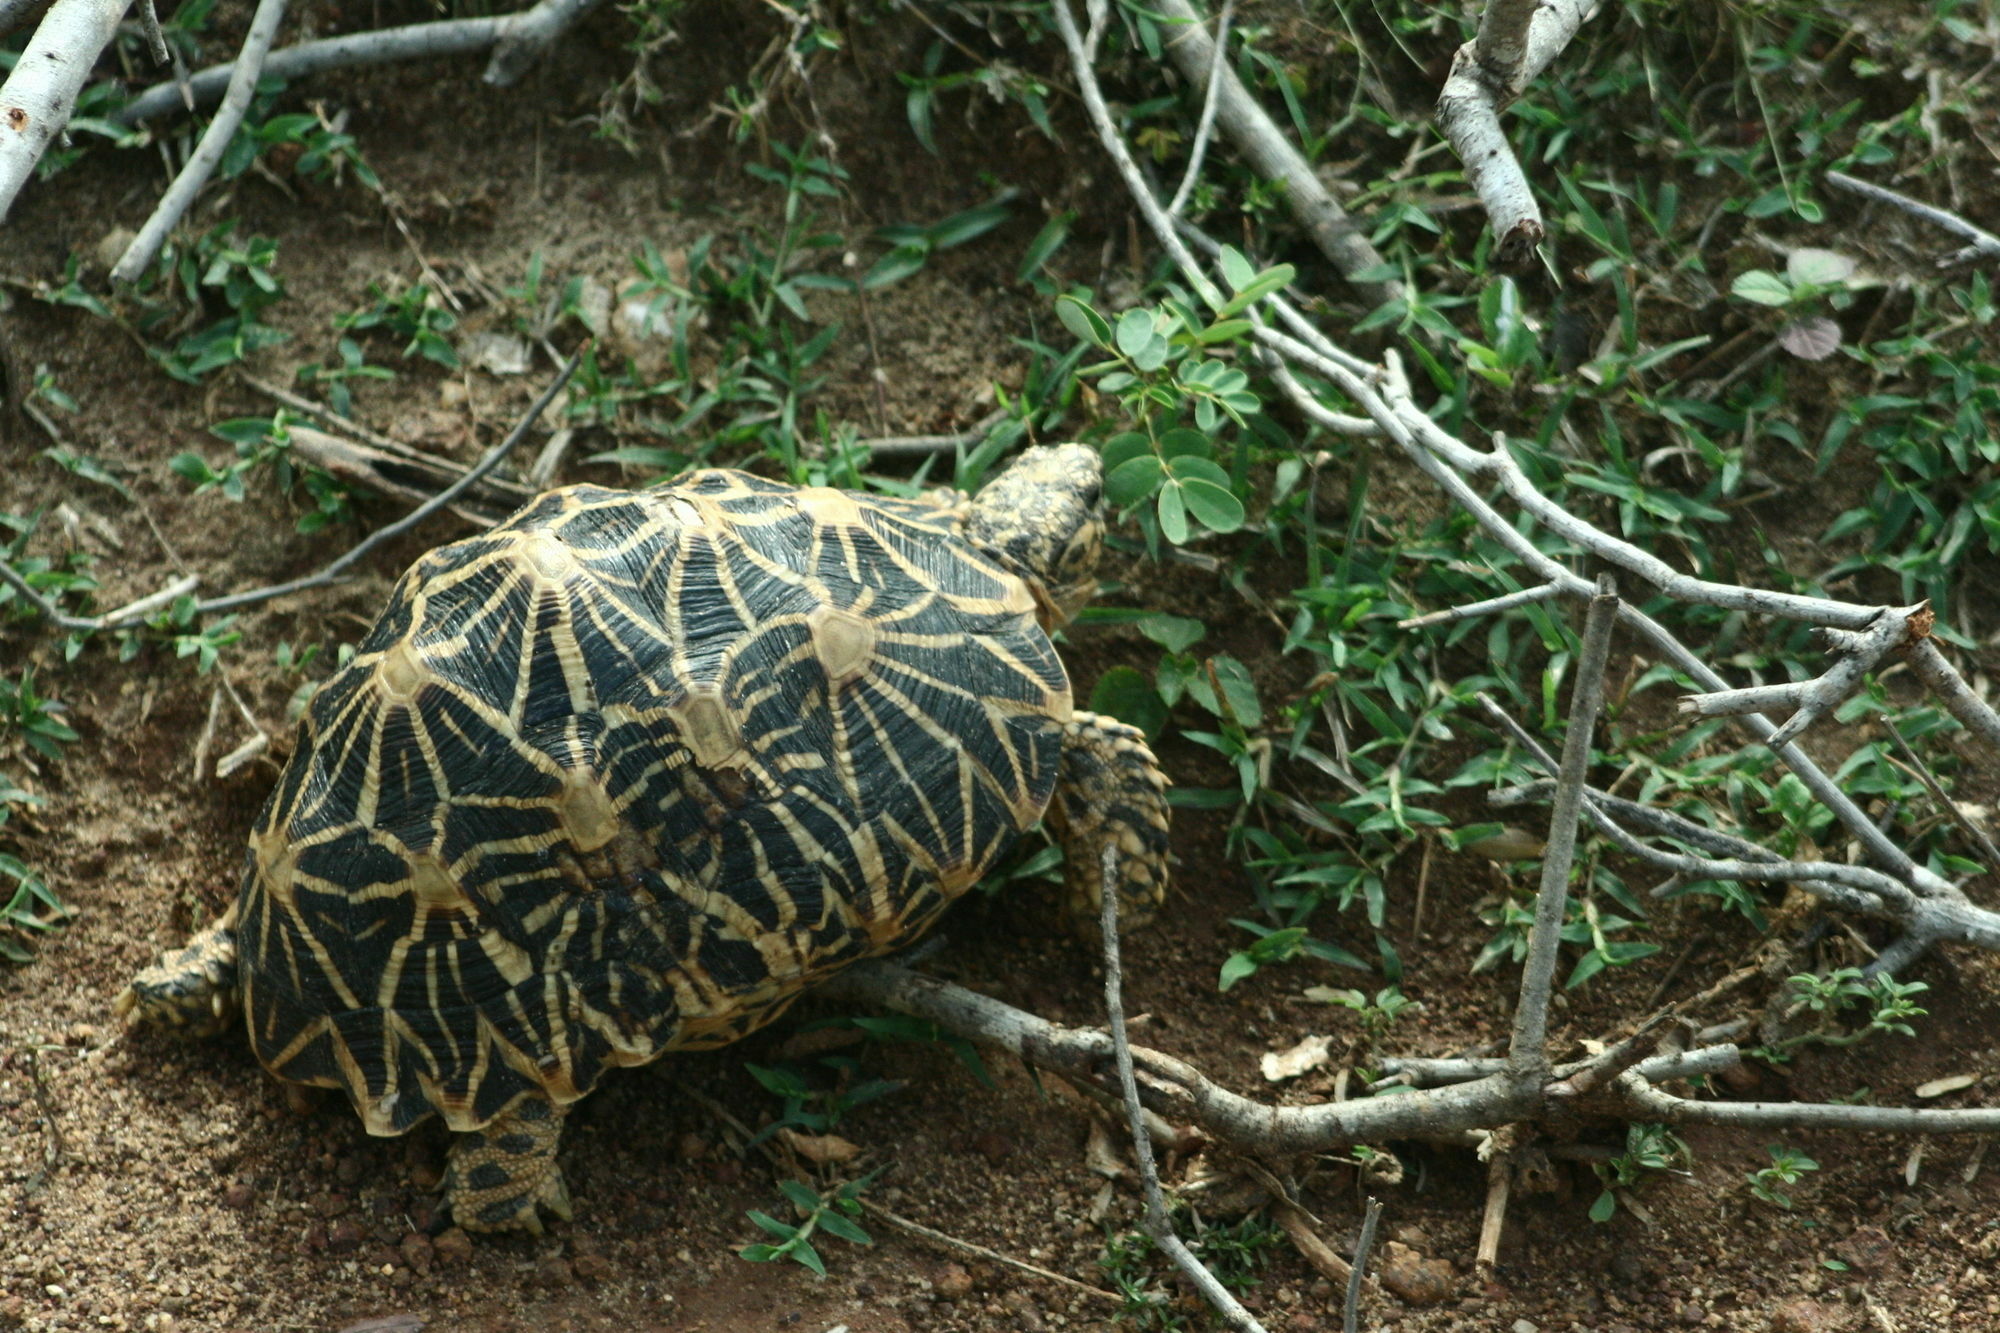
point(149, 1184)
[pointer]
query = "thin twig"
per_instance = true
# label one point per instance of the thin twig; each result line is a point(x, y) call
point(1158, 1224)
point(989, 1255)
point(1491, 606)
point(1205, 126)
point(1527, 1054)
point(1983, 242)
point(1350, 1307)
point(207, 155)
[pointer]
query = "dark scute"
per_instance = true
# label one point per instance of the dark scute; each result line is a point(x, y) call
point(731, 962)
point(489, 1176)
point(352, 861)
point(406, 794)
point(547, 699)
point(516, 1143)
point(468, 605)
point(468, 826)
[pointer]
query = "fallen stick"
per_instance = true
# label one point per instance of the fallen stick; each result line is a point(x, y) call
point(37, 98)
point(534, 29)
point(207, 154)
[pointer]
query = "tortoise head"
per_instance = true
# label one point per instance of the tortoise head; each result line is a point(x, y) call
point(1040, 519)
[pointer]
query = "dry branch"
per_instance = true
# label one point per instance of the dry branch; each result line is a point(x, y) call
point(37, 98)
point(1269, 153)
point(533, 28)
point(1517, 40)
point(1983, 242)
point(207, 155)
point(1159, 1225)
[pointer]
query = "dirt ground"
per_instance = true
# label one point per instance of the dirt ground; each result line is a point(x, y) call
point(148, 1184)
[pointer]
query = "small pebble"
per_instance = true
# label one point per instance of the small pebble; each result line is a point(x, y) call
point(591, 1267)
point(554, 1271)
point(453, 1248)
point(952, 1282)
point(239, 1195)
point(417, 1251)
point(343, 1237)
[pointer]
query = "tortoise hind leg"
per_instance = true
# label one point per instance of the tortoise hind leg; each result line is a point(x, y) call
point(1111, 791)
point(503, 1174)
point(191, 989)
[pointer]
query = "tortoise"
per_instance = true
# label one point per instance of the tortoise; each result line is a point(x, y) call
point(629, 772)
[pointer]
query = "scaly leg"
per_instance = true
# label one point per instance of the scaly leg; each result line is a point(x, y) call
point(1111, 790)
point(501, 1176)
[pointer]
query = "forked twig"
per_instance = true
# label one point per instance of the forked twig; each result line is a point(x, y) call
point(207, 154)
point(1158, 1224)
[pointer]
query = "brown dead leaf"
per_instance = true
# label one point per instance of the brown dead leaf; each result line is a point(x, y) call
point(1303, 1058)
point(820, 1149)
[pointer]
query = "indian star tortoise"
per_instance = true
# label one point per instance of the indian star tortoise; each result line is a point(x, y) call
point(631, 771)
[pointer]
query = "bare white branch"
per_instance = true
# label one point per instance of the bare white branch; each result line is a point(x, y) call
point(1527, 1052)
point(1983, 242)
point(1517, 41)
point(1271, 155)
point(37, 98)
point(519, 38)
point(207, 155)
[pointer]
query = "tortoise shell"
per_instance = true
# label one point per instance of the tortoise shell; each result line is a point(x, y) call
point(628, 773)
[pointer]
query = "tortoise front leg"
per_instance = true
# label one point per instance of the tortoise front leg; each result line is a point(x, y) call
point(191, 989)
point(500, 1176)
point(1111, 790)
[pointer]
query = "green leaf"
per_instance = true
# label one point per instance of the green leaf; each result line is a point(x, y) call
point(833, 1224)
point(1239, 692)
point(1122, 448)
point(1176, 634)
point(1124, 692)
point(773, 1225)
point(759, 1253)
point(1083, 322)
point(1234, 969)
point(1133, 481)
point(1182, 443)
point(192, 468)
point(1761, 287)
point(1135, 332)
point(807, 1255)
point(1047, 241)
point(1821, 268)
point(1213, 506)
point(1173, 513)
point(894, 267)
point(972, 223)
point(802, 1196)
point(1606, 1205)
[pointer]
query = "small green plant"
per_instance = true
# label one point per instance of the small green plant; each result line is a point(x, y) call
point(415, 315)
point(1811, 277)
point(1377, 1015)
point(34, 716)
point(1787, 1168)
point(263, 443)
point(1235, 1253)
point(241, 274)
point(1650, 1150)
point(335, 380)
point(1889, 1004)
point(817, 1102)
point(832, 1213)
point(32, 909)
